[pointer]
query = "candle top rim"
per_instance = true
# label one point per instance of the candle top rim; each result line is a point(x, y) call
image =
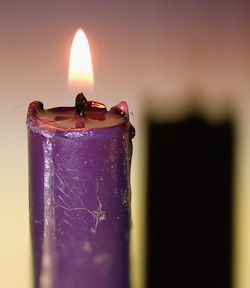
point(37, 121)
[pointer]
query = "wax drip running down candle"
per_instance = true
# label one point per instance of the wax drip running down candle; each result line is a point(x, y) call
point(79, 163)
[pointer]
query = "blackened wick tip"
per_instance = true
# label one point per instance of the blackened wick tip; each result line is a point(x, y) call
point(80, 104)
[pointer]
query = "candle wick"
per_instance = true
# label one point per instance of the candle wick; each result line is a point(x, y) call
point(80, 104)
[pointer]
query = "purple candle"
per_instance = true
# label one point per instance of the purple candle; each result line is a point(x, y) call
point(80, 195)
point(79, 161)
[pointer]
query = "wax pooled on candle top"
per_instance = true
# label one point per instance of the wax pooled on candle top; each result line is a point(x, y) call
point(95, 115)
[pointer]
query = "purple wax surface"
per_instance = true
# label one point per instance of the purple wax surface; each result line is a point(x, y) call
point(79, 169)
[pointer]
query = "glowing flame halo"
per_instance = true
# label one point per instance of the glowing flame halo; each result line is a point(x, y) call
point(80, 63)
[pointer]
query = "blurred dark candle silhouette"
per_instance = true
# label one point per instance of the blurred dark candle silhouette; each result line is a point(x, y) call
point(190, 185)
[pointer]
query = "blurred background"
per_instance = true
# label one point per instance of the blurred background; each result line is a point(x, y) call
point(183, 67)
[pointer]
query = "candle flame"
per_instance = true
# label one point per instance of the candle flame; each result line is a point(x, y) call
point(80, 63)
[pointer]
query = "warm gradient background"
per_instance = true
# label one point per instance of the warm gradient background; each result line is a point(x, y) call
point(142, 51)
